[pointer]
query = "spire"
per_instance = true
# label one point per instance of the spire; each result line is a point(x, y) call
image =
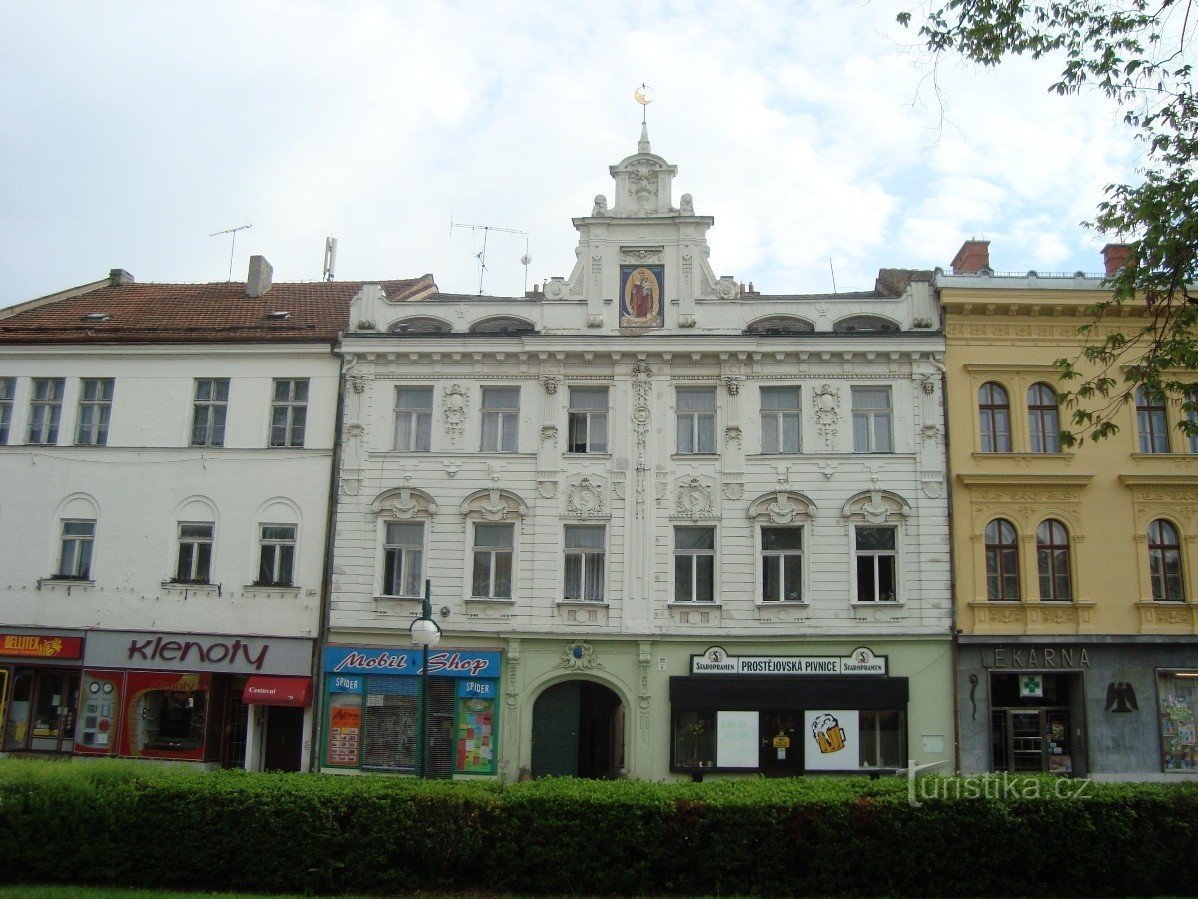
point(644, 95)
point(643, 145)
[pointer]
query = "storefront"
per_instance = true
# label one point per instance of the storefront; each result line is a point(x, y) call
point(1084, 707)
point(234, 701)
point(39, 689)
point(788, 715)
point(371, 719)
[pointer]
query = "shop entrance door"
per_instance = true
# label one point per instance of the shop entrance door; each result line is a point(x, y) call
point(41, 716)
point(1032, 741)
point(577, 731)
point(781, 744)
point(284, 738)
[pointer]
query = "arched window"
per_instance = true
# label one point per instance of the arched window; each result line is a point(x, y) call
point(502, 325)
point(780, 324)
point(865, 324)
point(421, 325)
point(1002, 561)
point(1151, 421)
point(1164, 562)
point(994, 415)
point(1052, 555)
point(1043, 420)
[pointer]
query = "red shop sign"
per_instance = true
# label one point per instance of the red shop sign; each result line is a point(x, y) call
point(41, 646)
point(293, 691)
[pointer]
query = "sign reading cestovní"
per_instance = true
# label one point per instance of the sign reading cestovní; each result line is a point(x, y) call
point(860, 661)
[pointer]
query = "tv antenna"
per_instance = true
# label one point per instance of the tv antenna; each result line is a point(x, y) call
point(232, 231)
point(481, 255)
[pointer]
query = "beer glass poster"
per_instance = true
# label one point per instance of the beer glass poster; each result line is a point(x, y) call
point(832, 742)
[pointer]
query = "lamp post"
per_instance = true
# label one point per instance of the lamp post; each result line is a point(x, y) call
point(425, 632)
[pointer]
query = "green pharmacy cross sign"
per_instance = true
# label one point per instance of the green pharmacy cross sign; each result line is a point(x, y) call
point(1031, 685)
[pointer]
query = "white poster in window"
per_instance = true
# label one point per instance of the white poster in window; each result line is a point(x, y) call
point(832, 740)
point(736, 739)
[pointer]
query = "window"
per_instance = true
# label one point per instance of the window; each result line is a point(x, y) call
point(413, 419)
point(1151, 421)
point(781, 564)
point(1178, 695)
point(173, 719)
point(8, 390)
point(75, 557)
point(492, 578)
point(1043, 420)
point(276, 559)
point(1164, 562)
point(694, 564)
point(95, 405)
point(195, 552)
point(501, 416)
point(779, 419)
point(696, 420)
point(45, 409)
point(877, 564)
point(588, 419)
point(211, 404)
point(1191, 397)
point(1002, 561)
point(289, 412)
point(882, 736)
point(865, 324)
point(584, 564)
point(1052, 560)
point(994, 415)
point(694, 738)
point(403, 552)
point(872, 429)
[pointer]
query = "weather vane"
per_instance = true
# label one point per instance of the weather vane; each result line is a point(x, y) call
point(644, 95)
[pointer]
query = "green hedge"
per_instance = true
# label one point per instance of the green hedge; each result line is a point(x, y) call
point(112, 823)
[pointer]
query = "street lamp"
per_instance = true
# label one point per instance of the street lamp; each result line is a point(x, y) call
point(425, 632)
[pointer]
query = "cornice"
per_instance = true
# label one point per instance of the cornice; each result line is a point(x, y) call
point(1045, 480)
point(1152, 481)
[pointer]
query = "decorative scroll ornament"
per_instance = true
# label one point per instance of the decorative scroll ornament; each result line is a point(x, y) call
point(454, 404)
point(641, 416)
point(732, 434)
point(578, 656)
point(585, 498)
point(548, 433)
point(641, 257)
point(694, 498)
point(493, 508)
point(827, 412)
point(875, 510)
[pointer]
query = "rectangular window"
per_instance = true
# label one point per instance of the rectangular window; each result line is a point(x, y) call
point(75, 557)
point(403, 556)
point(588, 420)
point(289, 412)
point(1191, 419)
point(1152, 421)
point(8, 391)
point(779, 419)
point(694, 564)
point(694, 738)
point(195, 552)
point(877, 564)
point(882, 735)
point(1178, 695)
point(492, 575)
point(45, 410)
point(208, 418)
point(696, 420)
point(413, 419)
point(584, 564)
point(95, 406)
point(276, 560)
point(781, 564)
point(501, 418)
point(872, 420)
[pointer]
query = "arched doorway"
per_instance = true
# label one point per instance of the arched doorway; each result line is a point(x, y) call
point(578, 731)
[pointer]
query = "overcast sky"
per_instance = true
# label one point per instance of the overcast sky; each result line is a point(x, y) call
point(129, 132)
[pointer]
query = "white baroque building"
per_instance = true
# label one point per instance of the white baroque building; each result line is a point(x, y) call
point(672, 525)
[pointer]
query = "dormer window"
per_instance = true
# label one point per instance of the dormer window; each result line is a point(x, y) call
point(502, 325)
point(780, 324)
point(865, 324)
point(280, 315)
point(96, 317)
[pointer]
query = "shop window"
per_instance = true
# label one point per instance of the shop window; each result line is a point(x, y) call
point(584, 563)
point(500, 419)
point(1164, 562)
point(45, 410)
point(391, 723)
point(695, 420)
point(8, 392)
point(195, 552)
point(95, 407)
point(403, 559)
point(694, 564)
point(882, 734)
point(779, 419)
point(994, 418)
point(173, 719)
point(1152, 421)
point(588, 420)
point(1043, 419)
point(289, 412)
point(876, 556)
point(1178, 693)
point(694, 738)
point(781, 564)
point(75, 554)
point(1052, 560)
point(1002, 562)
point(493, 551)
point(873, 426)
point(208, 411)
point(413, 419)
point(276, 557)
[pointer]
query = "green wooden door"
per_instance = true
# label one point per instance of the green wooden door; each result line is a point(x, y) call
point(555, 731)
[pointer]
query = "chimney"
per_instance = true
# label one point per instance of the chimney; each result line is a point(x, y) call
point(973, 256)
point(258, 281)
point(1115, 256)
point(118, 276)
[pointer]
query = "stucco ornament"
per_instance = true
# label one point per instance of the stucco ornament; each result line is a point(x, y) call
point(784, 508)
point(725, 289)
point(732, 434)
point(686, 205)
point(874, 509)
point(579, 656)
point(548, 433)
point(600, 208)
point(585, 497)
point(694, 498)
point(357, 383)
point(594, 321)
point(827, 412)
point(550, 383)
point(454, 403)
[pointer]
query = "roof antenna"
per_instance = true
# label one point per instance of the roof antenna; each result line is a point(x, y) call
point(481, 255)
point(330, 258)
point(833, 271)
point(232, 231)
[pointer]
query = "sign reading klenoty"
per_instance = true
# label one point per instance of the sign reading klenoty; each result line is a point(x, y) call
point(860, 661)
point(229, 653)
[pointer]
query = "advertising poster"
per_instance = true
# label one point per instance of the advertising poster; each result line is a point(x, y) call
point(736, 739)
point(344, 725)
point(833, 742)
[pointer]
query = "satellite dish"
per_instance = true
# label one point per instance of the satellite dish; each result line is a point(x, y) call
point(525, 259)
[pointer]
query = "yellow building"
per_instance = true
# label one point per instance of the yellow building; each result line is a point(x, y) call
point(1075, 570)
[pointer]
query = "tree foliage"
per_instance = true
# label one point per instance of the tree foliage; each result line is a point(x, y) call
point(1138, 54)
